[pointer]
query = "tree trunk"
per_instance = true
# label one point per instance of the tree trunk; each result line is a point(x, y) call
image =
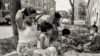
point(0, 3)
point(14, 6)
point(72, 5)
point(72, 22)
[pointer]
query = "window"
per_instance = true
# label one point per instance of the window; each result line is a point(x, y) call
point(45, 1)
point(6, 6)
point(45, 7)
point(48, 1)
point(39, 4)
point(26, 2)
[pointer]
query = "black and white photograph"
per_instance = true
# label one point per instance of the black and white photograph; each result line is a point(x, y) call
point(49, 27)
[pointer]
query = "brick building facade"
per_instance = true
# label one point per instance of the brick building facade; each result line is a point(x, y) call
point(93, 12)
point(40, 5)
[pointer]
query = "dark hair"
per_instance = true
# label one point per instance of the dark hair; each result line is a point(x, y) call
point(45, 26)
point(65, 32)
point(95, 27)
point(29, 10)
point(57, 18)
point(32, 10)
point(57, 15)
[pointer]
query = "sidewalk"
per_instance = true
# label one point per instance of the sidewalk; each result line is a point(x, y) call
point(73, 53)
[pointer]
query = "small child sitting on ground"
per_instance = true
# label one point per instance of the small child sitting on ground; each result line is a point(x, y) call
point(68, 43)
point(65, 40)
point(94, 40)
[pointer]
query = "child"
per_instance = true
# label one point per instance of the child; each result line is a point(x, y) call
point(44, 40)
point(94, 40)
point(56, 24)
point(65, 34)
point(65, 40)
point(68, 43)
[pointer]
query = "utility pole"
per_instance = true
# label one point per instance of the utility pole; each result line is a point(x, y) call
point(14, 7)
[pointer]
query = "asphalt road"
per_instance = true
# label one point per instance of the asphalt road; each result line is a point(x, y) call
point(5, 31)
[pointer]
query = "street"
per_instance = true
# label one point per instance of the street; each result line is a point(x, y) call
point(5, 31)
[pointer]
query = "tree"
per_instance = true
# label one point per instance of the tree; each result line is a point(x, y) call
point(72, 5)
point(65, 14)
point(14, 7)
point(70, 13)
point(0, 4)
point(82, 11)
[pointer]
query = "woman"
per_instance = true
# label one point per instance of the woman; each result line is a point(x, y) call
point(27, 35)
point(21, 14)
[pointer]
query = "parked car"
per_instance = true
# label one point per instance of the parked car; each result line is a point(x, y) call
point(7, 19)
point(64, 22)
point(79, 22)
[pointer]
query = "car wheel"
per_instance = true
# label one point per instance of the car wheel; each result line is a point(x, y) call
point(9, 22)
